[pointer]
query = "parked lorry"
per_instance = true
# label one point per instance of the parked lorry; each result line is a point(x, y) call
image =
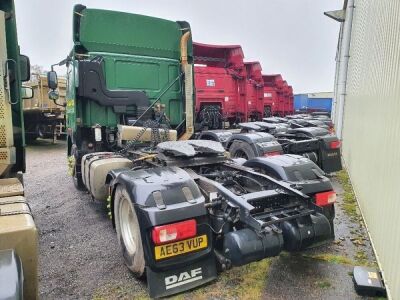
point(254, 91)
point(181, 208)
point(270, 97)
point(276, 82)
point(220, 81)
point(18, 233)
point(315, 143)
point(44, 117)
point(265, 139)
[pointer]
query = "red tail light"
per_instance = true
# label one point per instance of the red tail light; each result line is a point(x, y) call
point(325, 198)
point(174, 232)
point(334, 145)
point(272, 153)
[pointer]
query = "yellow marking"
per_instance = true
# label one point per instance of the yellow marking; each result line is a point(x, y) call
point(70, 103)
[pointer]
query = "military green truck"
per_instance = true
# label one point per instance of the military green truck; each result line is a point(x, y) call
point(18, 234)
point(181, 208)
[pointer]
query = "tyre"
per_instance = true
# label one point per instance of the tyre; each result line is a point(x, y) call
point(240, 149)
point(267, 111)
point(30, 138)
point(128, 232)
point(77, 177)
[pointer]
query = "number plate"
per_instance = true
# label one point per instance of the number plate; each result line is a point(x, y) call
point(181, 247)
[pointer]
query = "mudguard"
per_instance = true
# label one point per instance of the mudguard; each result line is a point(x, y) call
point(310, 131)
point(330, 159)
point(160, 196)
point(11, 276)
point(214, 135)
point(261, 142)
point(174, 204)
point(295, 169)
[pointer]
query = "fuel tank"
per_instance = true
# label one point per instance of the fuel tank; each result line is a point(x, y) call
point(95, 167)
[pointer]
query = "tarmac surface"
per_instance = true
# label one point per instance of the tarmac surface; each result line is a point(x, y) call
point(80, 257)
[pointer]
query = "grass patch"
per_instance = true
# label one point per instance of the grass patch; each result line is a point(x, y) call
point(361, 258)
point(246, 282)
point(332, 258)
point(349, 204)
point(323, 284)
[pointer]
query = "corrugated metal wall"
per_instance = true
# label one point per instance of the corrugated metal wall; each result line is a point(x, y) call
point(371, 127)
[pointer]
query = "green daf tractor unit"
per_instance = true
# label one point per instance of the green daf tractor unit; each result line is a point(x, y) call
point(181, 208)
point(124, 70)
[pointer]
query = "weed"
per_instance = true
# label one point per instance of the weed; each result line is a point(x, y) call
point(246, 282)
point(323, 284)
point(332, 258)
point(349, 204)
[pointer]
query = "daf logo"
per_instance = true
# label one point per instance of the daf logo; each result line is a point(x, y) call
point(183, 278)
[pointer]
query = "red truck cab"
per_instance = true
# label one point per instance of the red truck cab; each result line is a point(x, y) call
point(254, 91)
point(219, 73)
point(275, 82)
point(270, 97)
point(291, 101)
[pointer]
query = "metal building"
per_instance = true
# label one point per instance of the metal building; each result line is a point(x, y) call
point(366, 112)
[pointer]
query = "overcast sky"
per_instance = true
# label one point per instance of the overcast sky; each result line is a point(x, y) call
point(291, 37)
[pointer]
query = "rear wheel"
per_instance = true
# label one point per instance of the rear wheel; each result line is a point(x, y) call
point(128, 232)
point(77, 177)
point(240, 149)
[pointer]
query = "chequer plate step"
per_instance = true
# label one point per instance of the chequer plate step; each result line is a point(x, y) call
point(11, 187)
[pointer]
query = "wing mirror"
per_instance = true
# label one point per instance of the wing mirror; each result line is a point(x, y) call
point(27, 92)
point(24, 67)
point(52, 80)
point(53, 95)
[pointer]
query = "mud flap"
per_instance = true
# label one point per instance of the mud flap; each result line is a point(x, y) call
point(161, 284)
point(331, 161)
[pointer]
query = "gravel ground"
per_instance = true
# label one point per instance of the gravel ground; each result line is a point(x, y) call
point(79, 254)
point(80, 257)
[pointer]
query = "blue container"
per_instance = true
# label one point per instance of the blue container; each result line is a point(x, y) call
point(303, 103)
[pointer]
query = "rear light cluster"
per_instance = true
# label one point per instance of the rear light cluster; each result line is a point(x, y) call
point(274, 153)
point(334, 145)
point(174, 232)
point(325, 198)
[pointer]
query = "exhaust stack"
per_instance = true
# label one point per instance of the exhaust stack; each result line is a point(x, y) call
point(187, 69)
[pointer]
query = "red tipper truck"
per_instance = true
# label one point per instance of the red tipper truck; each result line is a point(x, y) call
point(254, 91)
point(275, 82)
point(291, 101)
point(286, 98)
point(270, 97)
point(219, 73)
